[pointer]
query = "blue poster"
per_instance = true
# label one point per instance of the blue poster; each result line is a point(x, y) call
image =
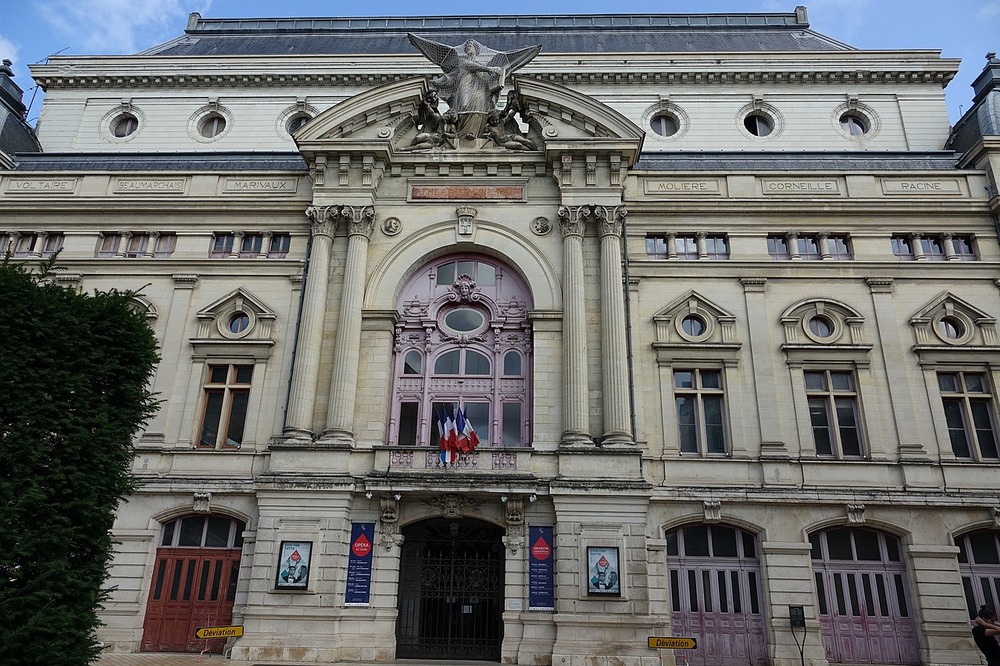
point(541, 555)
point(359, 564)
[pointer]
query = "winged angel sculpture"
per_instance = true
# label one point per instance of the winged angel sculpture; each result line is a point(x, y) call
point(473, 76)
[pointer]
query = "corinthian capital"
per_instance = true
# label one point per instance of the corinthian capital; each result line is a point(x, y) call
point(572, 219)
point(610, 220)
point(324, 220)
point(360, 220)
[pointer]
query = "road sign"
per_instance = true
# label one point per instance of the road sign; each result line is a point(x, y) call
point(219, 632)
point(671, 643)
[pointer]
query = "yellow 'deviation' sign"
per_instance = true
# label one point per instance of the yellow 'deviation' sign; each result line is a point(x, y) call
point(219, 632)
point(671, 643)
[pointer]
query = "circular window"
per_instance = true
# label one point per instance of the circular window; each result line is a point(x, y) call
point(212, 126)
point(464, 320)
point(296, 122)
point(854, 124)
point(239, 322)
point(951, 328)
point(821, 327)
point(664, 124)
point(124, 125)
point(758, 124)
point(693, 326)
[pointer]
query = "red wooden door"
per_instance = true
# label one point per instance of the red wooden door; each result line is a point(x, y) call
point(192, 587)
point(194, 583)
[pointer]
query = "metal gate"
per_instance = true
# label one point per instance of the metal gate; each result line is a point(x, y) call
point(451, 591)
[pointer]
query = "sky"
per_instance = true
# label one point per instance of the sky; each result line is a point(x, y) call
point(32, 30)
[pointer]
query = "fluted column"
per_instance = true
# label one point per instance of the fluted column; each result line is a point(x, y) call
point(346, 355)
point(614, 349)
point(576, 427)
point(305, 374)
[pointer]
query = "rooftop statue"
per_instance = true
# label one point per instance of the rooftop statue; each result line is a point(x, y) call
point(473, 77)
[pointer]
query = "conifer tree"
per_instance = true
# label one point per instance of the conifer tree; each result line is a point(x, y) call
point(74, 392)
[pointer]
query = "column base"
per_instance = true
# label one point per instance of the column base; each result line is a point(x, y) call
point(616, 438)
point(294, 436)
point(337, 439)
point(574, 439)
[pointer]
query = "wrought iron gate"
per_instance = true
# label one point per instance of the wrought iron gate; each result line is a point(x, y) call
point(451, 591)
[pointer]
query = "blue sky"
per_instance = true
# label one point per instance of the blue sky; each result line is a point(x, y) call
point(31, 30)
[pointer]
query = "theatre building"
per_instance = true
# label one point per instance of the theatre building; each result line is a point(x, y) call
point(700, 308)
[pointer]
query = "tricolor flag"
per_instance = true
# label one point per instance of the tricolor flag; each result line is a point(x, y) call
point(446, 441)
point(468, 440)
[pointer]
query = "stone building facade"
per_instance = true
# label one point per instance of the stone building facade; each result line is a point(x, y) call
point(715, 292)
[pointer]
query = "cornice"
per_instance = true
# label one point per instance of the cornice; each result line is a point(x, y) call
point(851, 67)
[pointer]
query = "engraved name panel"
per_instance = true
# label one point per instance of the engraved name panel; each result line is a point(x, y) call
point(467, 192)
point(36, 185)
point(262, 185)
point(149, 186)
point(799, 186)
point(945, 186)
point(682, 186)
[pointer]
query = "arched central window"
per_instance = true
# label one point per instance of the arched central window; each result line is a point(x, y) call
point(463, 341)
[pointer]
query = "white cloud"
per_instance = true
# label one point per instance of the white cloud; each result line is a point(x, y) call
point(988, 12)
point(8, 49)
point(117, 26)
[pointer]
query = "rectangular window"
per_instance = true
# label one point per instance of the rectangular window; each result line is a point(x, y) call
point(251, 245)
point(137, 245)
point(656, 247)
point(834, 413)
point(839, 248)
point(969, 414)
point(777, 247)
point(686, 247)
point(165, 245)
point(408, 412)
point(699, 398)
point(511, 424)
point(902, 248)
point(227, 397)
point(222, 245)
point(932, 248)
point(964, 250)
point(280, 244)
point(716, 247)
point(53, 242)
point(25, 245)
point(107, 244)
point(808, 247)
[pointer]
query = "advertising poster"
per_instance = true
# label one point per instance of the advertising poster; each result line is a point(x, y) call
point(359, 564)
point(603, 572)
point(293, 565)
point(541, 555)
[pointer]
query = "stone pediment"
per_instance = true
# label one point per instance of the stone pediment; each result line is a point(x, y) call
point(391, 120)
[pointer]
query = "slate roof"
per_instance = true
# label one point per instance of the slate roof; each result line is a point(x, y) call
point(190, 162)
point(607, 33)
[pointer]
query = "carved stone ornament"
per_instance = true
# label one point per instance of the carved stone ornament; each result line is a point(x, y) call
point(609, 221)
point(541, 226)
point(514, 517)
point(391, 226)
point(713, 512)
point(856, 514)
point(465, 289)
point(202, 502)
point(466, 216)
point(388, 521)
point(572, 219)
point(472, 77)
point(452, 506)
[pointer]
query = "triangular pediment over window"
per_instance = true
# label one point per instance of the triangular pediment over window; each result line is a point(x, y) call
point(949, 321)
point(238, 320)
point(694, 328)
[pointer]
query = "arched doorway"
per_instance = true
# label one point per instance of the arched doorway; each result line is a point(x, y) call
point(979, 564)
point(451, 577)
point(194, 583)
point(715, 595)
point(865, 614)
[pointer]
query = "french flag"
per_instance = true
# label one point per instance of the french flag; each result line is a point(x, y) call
point(448, 438)
point(468, 440)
